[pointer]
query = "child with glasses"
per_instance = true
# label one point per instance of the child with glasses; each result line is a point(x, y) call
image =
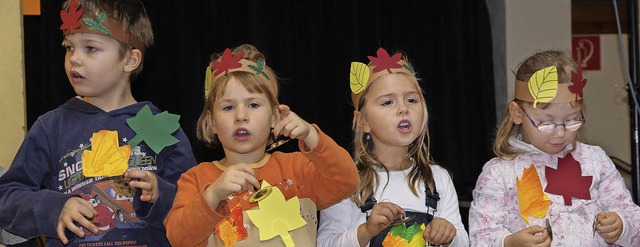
point(545, 187)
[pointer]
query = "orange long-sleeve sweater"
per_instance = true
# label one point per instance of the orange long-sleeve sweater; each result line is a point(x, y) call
point(326, 175)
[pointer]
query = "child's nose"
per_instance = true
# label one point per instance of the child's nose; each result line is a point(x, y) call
point(241, 116)
point(559, 131)
point(402, 108)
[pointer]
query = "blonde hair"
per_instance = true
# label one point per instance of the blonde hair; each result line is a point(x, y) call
point(133, 16)
point(366, 159)
point(507, 129)
point(252, 82)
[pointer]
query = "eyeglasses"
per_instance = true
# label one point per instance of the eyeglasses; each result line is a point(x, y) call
point(548, 127)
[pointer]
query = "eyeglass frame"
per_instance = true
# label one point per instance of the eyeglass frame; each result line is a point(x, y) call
point(555, 125)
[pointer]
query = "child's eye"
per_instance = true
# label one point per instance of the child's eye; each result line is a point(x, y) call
point(386, 103)
point(68, 47)
point(91, 49)
point(412, 100)
point(227, 108)
point(254, 105)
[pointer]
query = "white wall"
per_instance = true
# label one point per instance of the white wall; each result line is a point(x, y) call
point(608, 123)
point(533, 26)
point(12, 94)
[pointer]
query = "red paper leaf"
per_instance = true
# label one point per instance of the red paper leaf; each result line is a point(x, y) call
point(567, 180)
point(227, 62)
point(71, 18)
point(383, 61)
point(578, 81)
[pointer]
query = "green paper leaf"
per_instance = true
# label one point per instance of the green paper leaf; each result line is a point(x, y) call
point(97, 24)
point(155, 130)
point(404, 232)
point(260, 69)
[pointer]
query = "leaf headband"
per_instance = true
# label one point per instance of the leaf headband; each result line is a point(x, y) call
point(543, 87)
point(230, 63)
point(100, 24)
point(361, 75)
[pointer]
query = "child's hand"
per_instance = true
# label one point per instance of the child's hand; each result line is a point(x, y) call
point(382, 215)
point(291, 125)
point(77, 210)
point(609, 226)
point(530, 236)
point(235, 179)
point(148, 183)
point(439, 232)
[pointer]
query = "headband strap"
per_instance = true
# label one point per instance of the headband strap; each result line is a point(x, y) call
point(96, 23)
point(543, 87)
point(361, 75)
point(229, 63)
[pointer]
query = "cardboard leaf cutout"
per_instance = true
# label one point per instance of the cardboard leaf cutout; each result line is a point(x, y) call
point(71, 18)
point(207, 82)
point(155, 130)
point(358, 77)
point(106, 158)
point(383, 61)
point(227, 62)
point(578, 82)
point(97, 24)
point(400, 235)
point(276, 217)
point(543, 85)
point(531, 199)
point(568, 181)
point(260, 69)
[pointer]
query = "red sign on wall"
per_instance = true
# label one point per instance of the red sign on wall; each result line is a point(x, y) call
point(586, 50)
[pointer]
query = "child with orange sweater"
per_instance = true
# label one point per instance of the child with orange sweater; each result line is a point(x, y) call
point(216, 203)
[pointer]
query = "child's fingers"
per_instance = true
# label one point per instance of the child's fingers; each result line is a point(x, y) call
point(283, 110)
point(141, 185)
point(534, 229)
point(60, 231)
point(145, 176)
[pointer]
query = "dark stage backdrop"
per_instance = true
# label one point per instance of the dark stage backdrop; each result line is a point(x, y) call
point(310, 45)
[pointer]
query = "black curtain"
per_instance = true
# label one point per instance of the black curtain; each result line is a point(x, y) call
point(310, 45)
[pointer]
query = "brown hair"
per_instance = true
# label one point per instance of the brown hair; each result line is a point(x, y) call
point(366, 159)
point(252, 82)
point(564, 65)
point(133, 16)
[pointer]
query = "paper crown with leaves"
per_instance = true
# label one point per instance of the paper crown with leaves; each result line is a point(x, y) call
point(75, 20)
point(230, 63)
point(543, 87)
point(361, 75)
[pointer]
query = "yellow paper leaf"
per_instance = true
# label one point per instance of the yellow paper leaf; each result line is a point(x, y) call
point(276, 217)
point(105, 158)
point(531, 198)
point(207, 82)
point(543, 85)
point(358, 77)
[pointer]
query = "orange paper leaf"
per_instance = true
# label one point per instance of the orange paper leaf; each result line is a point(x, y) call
point(232, 230)
point(105, 158)
point(531, 198)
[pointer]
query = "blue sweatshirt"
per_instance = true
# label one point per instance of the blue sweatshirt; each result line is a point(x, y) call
point(47, 170)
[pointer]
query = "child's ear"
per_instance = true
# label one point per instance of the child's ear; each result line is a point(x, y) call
point(133, 60)
point(275, 116)
point(515, 111)
point(361, 122)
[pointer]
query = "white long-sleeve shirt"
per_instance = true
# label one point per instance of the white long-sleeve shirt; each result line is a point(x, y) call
point(494, 212)
point(339, 223)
